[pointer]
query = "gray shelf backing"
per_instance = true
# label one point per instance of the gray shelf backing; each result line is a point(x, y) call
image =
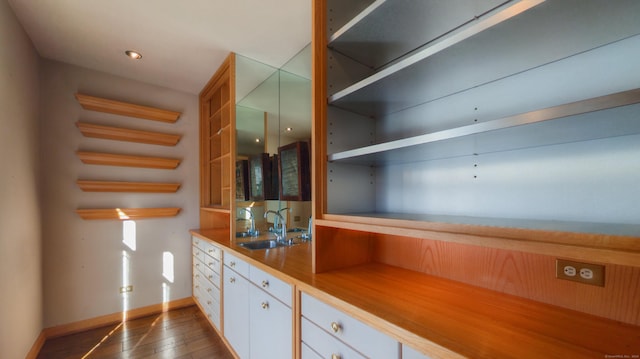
point(586, 120)
point(533, 38)
point(388, 29)
point(609, 68)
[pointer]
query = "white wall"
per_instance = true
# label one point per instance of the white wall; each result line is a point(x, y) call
point(20, 274)
point(85, 262)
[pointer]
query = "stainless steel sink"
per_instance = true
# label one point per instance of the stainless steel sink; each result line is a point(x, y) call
point(266, 244)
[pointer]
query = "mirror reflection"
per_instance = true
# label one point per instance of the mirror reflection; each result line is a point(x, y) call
point(273, 124)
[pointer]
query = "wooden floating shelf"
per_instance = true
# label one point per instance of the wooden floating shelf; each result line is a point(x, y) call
point(110, 159)
point(127, 213)
point(126, 109)
point(129, 135)
point(146, 187)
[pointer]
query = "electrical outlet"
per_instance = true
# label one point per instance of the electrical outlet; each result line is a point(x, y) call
point(587, 273)
point(126, 289)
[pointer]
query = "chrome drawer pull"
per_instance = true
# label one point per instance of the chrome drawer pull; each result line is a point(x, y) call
point(335, 356)
point(265, 283)
point(264, 305)
point(232, 264)
point(232, 280)
point(335, 327)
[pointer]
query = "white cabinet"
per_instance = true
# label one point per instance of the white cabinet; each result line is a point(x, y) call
point(331, 333)
point(271, 334)
point(236, 307)
point(206, 278)
point(258, 319)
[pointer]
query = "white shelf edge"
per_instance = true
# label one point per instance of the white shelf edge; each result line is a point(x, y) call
point(571, 109)
point(356, 19)
point(489, 20)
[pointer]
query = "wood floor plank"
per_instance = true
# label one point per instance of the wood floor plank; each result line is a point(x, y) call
point(181, 333)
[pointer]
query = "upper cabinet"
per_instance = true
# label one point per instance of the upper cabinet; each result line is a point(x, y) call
point(488, 121)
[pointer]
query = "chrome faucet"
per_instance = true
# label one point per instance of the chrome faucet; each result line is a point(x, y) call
point(283, 227)
point(252, 229)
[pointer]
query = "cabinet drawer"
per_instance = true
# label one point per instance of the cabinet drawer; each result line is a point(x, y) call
point(212, 263)
point(211, 290)
point(199, 266)
point(327, 346)
point(356, 334)
point(237, 264)
point(212, 277)
point(211, 250)
point(272, 285)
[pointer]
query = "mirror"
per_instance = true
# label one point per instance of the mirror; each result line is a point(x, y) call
point(273, 114)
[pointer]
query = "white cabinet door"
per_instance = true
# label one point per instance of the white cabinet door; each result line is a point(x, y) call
point(271, 333)
point(236, 313)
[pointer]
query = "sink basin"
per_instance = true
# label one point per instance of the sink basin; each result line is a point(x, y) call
point(247, 234)
point(266, 244)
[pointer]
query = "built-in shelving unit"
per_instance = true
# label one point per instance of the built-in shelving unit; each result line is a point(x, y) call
point(110, 186)
point(127, 213)
point(489, 123)
point(111, 159)
point(126, 134)
point(126, 109)
point(217, 155)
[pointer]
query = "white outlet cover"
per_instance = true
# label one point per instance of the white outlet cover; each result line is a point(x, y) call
point(586, 273)
point(570, 271)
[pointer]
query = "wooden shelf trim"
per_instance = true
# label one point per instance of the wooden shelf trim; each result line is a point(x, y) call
point(126, 134)
point(579, 246)
point(126, 109)
point(127, 213)
point(110, 159)
point(109, 186)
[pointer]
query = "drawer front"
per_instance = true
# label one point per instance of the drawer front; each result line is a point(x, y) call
point(212, 263)
point(272, 285)
point(211, 250)
point(211, 290)
point(237, 264)
point(325, 345)
point(199, 266)
point(197, 252)
point(212, 277)
point(356, 334)
point(212, 309)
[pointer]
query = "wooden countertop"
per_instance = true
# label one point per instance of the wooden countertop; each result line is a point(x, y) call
point(444, 317)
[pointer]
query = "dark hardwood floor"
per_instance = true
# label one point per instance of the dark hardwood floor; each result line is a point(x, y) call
point(182, 333)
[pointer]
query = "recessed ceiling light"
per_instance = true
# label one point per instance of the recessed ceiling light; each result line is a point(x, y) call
point(289, 129)
point(257, 140)
point(133, 54)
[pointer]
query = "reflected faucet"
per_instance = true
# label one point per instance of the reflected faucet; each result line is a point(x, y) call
point(252, 229)
point(283, 226)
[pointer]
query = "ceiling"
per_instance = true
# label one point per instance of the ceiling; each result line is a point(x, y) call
point(182, 42)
